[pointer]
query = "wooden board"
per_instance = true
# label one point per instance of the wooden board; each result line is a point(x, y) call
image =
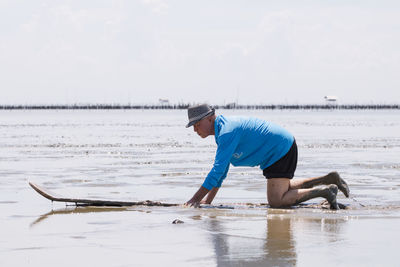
point(95, 202)
point(111, 203)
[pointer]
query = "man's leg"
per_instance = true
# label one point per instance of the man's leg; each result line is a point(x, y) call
point(330, 178)
point(280, 194)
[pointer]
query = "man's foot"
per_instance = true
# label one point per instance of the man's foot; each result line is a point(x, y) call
point(331, 191)
point(334, 178)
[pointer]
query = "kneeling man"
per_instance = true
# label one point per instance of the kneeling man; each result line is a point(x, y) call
point(246, 141)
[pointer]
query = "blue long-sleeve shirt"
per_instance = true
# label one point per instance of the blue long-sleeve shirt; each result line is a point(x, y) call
point(245, 141)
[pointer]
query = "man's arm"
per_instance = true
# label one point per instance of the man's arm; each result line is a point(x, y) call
point(197, 197)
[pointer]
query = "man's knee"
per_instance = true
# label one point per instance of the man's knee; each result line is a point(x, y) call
point(276, 189)
point(275, 203)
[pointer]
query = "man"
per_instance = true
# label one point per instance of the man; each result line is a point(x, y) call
point(253, 142)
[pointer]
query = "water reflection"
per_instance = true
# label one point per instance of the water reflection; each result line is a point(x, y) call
point(279, 245)
point(276, 244)
point(76, 210)
point(260, 237)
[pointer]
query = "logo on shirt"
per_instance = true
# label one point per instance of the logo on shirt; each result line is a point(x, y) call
point(237, 155)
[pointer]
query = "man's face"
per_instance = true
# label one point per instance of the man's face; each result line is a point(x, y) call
point(203, 127)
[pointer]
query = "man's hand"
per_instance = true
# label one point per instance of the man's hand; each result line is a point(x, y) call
point(195, 200)
point(191, 203)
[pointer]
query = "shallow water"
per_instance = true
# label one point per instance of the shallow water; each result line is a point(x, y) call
point(139, 155)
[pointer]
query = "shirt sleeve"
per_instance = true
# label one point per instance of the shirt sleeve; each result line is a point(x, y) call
point(227, 144)
point(223, 177)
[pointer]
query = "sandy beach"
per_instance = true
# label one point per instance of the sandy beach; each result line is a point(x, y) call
point(139, 155)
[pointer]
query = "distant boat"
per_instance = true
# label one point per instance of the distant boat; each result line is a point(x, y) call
point(331, 100)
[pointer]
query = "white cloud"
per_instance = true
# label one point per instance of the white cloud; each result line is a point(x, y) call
point(141, 50)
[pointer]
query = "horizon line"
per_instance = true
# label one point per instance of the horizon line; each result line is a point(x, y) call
point(185, 106)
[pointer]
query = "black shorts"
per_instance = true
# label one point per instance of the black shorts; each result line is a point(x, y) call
point(285, 166)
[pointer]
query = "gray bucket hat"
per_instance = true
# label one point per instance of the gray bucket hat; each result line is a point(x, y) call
point(198, 112)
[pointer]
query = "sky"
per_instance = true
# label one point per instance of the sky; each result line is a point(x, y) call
point(250, 52)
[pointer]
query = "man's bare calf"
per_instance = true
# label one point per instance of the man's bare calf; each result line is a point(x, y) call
point(330, 178)
point(328, 192)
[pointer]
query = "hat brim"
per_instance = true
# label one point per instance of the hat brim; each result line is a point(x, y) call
point(197, 119)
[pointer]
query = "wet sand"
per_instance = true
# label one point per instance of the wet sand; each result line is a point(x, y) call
point(139, 155)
